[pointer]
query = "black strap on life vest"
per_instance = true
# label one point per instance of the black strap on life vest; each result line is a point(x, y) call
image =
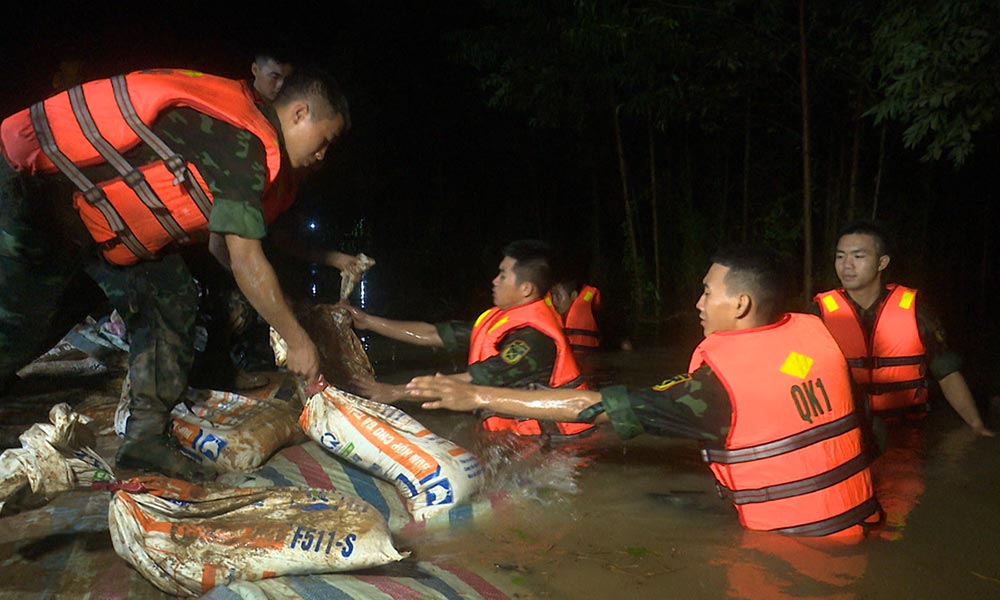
point(854, 516)
point(875, 389)
point(784, 445)
point(876, 362)
point(796, 488)
point(91, 193)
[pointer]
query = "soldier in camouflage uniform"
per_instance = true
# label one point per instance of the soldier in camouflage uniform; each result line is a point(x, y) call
point(44, 245)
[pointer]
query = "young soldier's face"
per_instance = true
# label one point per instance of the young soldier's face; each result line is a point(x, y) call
point(717, 309)
point(307, 138)
point(269, 76)
point(506, 292)
point(562, 298)
point(857, 261)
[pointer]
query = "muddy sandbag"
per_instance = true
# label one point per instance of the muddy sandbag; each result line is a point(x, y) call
point(186, 539)
point(432, 473)
point(54, 457)
point(230, 431)
point(343, 360)
point(348, 281)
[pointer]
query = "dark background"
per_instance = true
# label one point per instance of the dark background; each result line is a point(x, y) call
point(432, 181)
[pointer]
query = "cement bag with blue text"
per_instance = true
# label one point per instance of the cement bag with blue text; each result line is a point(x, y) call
point(233, 433)
point(186, 539)
point(431, 473)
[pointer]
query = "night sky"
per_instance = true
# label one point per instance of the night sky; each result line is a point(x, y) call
point(432, 182)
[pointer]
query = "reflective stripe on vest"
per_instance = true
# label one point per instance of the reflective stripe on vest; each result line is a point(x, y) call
point(137, 214)
point(793, 460)
point(888, 364)
point(94, 195)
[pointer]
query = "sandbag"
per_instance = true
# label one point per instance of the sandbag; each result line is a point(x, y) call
point(186, 539)
point(432, 473)
point(54, 457)
point(230, 431)
point(348, 281)
point(343, 360)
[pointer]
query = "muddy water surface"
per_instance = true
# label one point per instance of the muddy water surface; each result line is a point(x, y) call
point(641, 519)
point(637, 519)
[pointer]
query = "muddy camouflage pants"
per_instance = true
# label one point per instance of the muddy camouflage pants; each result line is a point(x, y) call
point(158, 300)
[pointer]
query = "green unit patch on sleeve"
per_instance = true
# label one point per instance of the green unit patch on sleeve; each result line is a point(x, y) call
point(515, 351)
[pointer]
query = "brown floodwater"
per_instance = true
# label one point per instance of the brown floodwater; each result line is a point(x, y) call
point(641, 519)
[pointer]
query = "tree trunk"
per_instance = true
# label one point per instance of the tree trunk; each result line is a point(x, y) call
point(807, 255)
point(745, 219)
point(878, 173)
point(653, 203)
point(852, 196)
point(633, 246)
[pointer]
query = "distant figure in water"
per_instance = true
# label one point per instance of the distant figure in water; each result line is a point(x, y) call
point(768, 393)
point(518, 343)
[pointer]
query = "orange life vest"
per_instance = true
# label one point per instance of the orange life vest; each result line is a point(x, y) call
point(793, 460)
point(491, 327)
point(147, 207)
point(889, 365)
point(579, 323)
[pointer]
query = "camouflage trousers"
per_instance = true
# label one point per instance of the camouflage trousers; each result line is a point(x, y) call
point(39, 262)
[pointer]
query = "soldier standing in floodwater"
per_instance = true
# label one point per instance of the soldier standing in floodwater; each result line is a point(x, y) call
point(768, 393)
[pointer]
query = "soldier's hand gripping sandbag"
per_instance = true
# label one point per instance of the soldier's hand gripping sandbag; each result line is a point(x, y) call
point(343, 360)
point(186, 539)
point(431, 473)
point(54, 457)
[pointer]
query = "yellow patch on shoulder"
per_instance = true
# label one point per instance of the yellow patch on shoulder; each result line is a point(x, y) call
point(515, 352)
point(906, 301)
point(830, 303)
point(669, 383)
point(797, 365)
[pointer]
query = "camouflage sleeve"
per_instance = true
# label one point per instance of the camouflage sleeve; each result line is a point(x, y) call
point(941, 359)
point(455, 336)
point(526, 357)
point(693, 406)
point(233, 163)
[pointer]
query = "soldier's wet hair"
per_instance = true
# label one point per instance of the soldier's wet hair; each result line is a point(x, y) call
point(759, 274)
point(871, 228)
point(534, 262)
point(319, 87)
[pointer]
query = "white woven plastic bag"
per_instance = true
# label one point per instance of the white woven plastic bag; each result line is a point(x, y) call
point(432, 473)
point(186, 539)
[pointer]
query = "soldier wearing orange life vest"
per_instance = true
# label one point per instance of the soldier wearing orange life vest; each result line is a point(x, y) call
point(127, 169)
point(518, 343)
point(889, 339)
point(768, 393)
point(576, 306)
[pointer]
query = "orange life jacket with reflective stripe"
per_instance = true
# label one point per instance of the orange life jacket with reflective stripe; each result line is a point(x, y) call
point(487, 333)
point(579, 324)
point(890, 364)
point(793, 460)
point(147, 207)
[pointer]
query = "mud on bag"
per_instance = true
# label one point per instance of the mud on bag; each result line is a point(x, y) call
point(186, 539)
point(54, 457)
point(431, 473)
